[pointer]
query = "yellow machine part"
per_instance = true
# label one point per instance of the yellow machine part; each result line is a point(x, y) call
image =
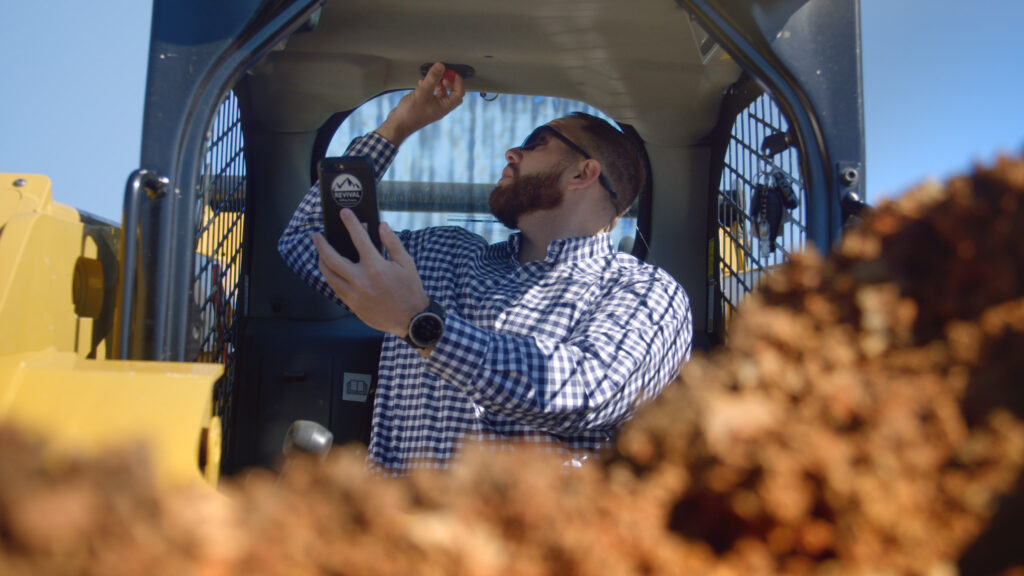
point(733, 259)
point(732, 252)
point(55, 380)
point(80, 406)
point(39, 244)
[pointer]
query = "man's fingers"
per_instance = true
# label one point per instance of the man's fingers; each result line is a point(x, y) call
point(434, 74)
point(457, 88)
point(328, 254)
point(446, 85)
point(335, 268)
point(360, 238)
point(338, 283)
point(433, 80)
point(396, 251)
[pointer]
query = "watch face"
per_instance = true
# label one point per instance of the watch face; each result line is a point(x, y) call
point(427, 329)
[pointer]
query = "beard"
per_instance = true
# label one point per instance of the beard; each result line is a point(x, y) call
point(523, 195)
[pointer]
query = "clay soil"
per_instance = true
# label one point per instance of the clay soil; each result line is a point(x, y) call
point(866, 416)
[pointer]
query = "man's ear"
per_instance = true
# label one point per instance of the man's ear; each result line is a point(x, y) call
point(587, 173)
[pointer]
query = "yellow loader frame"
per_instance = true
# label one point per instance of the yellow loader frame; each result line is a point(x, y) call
point(56, 379)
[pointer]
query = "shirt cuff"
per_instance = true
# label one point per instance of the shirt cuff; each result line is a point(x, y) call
point(460, 351)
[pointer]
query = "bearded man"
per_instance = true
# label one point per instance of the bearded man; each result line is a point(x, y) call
point(552, 336)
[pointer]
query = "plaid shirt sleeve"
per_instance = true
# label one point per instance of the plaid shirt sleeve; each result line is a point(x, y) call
point(620, 357)
point(296, 245)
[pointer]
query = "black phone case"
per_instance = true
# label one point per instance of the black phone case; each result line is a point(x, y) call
point(347, 182)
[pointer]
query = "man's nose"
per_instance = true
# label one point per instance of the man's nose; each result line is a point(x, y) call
point(513, 155)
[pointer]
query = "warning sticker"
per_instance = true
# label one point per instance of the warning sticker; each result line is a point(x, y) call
point(347, 190)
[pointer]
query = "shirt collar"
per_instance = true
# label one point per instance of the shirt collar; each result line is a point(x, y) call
point(565, 250)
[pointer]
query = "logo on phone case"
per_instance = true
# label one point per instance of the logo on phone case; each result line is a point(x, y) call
point(347, 190)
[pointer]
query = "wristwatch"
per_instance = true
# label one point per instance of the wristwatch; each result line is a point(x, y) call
point(427, 327)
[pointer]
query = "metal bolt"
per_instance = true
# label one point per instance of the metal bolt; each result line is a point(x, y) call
point(849, 176)
point(851, 196)
point(156, 186)
point(20, 182)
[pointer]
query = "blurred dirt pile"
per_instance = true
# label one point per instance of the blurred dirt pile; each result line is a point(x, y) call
point(866, 417)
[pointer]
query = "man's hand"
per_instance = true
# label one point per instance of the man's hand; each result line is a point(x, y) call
point(438, 94)
point(385, 294)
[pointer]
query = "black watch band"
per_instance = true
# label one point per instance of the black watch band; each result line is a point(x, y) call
point(427, 327)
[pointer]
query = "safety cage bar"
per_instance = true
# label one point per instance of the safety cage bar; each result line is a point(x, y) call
point(217, 279)
point(759, 201)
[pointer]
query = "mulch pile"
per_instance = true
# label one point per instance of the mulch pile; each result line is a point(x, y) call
point(865, 417)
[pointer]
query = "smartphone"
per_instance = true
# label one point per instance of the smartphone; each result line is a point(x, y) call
point(347, 182)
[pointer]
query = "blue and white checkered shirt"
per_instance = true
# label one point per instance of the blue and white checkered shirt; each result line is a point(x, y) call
point(560, 351)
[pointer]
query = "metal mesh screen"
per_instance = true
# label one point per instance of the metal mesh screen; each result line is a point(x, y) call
point(221, 214)
point(743, 256)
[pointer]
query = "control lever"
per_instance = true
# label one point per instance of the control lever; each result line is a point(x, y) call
point(307, 437)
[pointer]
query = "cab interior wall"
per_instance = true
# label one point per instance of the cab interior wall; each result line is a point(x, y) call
point(278, 169)
point(678, 236)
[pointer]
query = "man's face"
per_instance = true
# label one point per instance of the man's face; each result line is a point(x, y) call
point(521, 195)
point(531, 181)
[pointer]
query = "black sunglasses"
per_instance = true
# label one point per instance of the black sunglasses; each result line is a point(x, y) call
point(536, 138)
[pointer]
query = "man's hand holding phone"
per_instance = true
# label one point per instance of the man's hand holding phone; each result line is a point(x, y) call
point(384, 293)
point(347, 182)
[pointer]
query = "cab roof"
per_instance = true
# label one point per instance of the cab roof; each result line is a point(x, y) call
point(644, 62)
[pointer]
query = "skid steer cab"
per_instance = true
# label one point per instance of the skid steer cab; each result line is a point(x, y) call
point(183, 327)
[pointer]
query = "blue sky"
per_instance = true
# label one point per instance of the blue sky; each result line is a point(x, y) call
point(942, 80)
